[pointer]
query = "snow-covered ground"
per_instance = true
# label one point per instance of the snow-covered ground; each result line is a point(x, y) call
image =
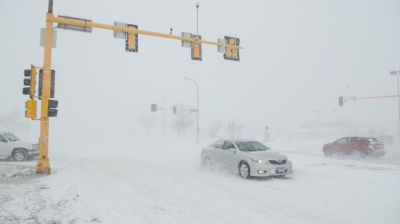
point(140, 181)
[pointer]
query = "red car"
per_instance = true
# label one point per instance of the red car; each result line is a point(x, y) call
point(363, 146)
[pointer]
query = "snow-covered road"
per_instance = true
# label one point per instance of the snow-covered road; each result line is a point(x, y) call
point(162, 182)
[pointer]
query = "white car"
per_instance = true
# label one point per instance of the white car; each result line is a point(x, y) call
point(247, 157)
point(11, 147)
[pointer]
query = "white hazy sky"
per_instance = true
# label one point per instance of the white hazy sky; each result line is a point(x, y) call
point(298, 57)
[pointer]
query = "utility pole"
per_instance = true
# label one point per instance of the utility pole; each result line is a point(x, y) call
point(397, 73)
point(197, 110)
point(128, 32)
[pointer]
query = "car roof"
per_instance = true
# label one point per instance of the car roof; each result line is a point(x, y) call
point(360, 137)
point(237, 140)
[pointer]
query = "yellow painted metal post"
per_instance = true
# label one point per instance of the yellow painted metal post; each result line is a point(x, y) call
point(43, 165)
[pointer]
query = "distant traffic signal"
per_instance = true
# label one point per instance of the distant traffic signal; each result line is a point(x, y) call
point(174, 110)
point(341, 101)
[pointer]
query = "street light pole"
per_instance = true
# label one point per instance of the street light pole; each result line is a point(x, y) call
point(197, 109)
point(397, 73)
point(197, 18)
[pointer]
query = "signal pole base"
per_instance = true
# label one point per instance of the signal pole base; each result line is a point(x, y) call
point(43, 166)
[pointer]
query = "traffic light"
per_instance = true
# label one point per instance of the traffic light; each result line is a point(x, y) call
point(232, 53)
point(52, 83)
point(153, 107)
point(131, 41)
point(341, 101)
point(196, 48)
point(52, 108)
point(27, 82)
point(192, 41)
point(174, 110)
point(31, 107)
point(30, 82)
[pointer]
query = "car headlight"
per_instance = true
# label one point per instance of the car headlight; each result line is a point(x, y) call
point(256, 160)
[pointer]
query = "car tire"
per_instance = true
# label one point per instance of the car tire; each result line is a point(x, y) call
point(20, 155)
point(244, 170)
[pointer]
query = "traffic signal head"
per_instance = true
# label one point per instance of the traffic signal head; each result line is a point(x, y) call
point(27, 72)
point(174, 110)
point(52, 83)
point(52, 108)
point(192, 41)
point(131, 41)
point(232, 51)
point(31, 107)
point(196, 48)
point(30, 82)
point(341, 101)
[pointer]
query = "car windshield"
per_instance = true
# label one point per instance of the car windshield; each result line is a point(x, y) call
point(11, 136)
point(250, 146)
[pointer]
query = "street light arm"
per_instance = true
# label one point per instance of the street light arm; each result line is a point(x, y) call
point(197, 85)
point(197, 107)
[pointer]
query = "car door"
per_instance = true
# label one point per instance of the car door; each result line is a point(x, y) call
point(229, 155)
point(341, 145)
point(352, 146)
point(216, 152)
point(4, 147)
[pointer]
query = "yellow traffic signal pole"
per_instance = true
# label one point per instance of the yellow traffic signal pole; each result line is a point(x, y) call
point(43, 164)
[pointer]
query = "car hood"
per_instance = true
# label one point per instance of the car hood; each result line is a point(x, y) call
point(267, 155)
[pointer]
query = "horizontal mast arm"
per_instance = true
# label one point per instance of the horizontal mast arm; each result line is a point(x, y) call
point(376, 97)
point(83, 23)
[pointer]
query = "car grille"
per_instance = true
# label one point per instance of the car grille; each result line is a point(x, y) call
point(277, 162)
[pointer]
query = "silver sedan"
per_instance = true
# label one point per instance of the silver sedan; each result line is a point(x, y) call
point(247, 157)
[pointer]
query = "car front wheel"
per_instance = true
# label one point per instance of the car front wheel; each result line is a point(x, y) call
point(244, 170)
point(19, 155)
